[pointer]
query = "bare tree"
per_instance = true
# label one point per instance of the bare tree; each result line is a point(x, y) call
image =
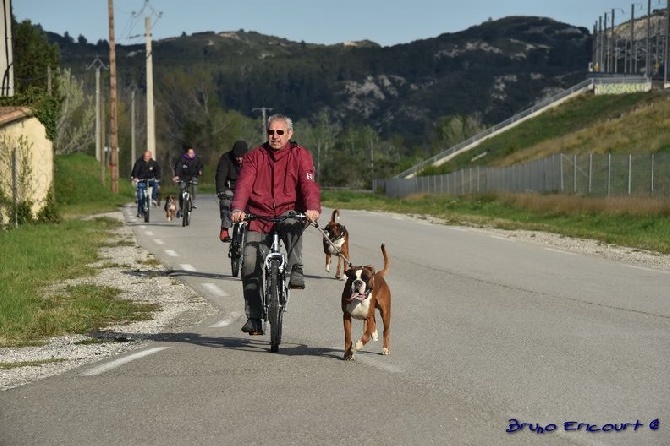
point(75, 127)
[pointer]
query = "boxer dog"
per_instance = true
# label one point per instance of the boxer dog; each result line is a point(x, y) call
point(365, 291)
point(170, 207)
point(337, 244)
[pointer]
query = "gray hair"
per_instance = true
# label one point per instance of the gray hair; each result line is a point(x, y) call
point(278, 117)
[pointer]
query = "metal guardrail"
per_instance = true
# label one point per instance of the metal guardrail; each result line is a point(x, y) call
point(546, 103)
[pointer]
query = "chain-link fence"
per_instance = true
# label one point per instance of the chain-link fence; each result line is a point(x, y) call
point(589, 174)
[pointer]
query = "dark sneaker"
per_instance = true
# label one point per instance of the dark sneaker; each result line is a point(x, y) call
point(253, 326)
point(139, 215)
point(224, 236)
point(179, 214)
point(297, 280)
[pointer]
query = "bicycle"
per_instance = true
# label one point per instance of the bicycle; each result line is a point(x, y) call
point(236, 249)
point(275, 296)
point(144, 198)
point(187, 201)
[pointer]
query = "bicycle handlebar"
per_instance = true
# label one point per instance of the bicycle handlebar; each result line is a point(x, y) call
point(279, 219)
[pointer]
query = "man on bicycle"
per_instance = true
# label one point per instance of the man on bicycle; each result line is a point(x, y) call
point(146, 168)
point(189, 167)
point(227, 172)
point(276, 177)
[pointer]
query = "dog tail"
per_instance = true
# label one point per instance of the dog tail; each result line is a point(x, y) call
point(335, 216)
point(387, 262)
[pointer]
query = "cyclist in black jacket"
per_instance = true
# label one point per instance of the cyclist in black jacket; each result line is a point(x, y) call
point(227, 171)
point(147, 168)
point(188, 167)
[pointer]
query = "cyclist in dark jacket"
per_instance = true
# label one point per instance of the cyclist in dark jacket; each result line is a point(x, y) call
point(147, 168)
point(227, 172)
point(188, 168)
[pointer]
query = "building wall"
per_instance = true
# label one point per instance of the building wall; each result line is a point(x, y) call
point(26, 137)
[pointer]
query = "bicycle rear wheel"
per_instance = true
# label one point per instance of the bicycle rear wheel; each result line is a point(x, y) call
point(275, 314)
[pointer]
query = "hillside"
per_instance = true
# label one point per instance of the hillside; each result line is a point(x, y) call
point(490, 70)
point(630, 123)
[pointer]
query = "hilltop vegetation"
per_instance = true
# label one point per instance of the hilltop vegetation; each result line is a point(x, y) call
point(629, 123)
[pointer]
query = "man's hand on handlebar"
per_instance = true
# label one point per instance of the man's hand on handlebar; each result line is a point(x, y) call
point(238, 216)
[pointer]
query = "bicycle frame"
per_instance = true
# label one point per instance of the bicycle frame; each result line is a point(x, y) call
point(144, 198)
point(275, 296)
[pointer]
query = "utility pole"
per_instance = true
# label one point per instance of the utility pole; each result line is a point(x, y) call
point(7, 62)
point(113, 136)
point(97, 64)
point(133, 150)
point(151, 126)
point(265, 124)
point(646, 66)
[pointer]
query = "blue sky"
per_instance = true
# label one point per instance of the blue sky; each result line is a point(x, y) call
point(387, 22)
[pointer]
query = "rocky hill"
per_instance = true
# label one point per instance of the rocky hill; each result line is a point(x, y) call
point(491, 70)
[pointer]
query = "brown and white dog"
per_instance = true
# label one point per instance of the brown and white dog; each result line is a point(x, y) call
point(336, 245)
point(170, 207)
point(365, 291)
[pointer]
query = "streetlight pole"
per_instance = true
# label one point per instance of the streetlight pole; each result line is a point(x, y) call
point(265, 124)
point(97, 64)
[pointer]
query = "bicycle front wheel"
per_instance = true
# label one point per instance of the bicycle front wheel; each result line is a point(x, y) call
point(186, 211)
point(146, 208)
point(275, 314)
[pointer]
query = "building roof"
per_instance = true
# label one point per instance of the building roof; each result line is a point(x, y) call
point(11, 114)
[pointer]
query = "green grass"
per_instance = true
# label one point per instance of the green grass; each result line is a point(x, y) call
point(38, 256)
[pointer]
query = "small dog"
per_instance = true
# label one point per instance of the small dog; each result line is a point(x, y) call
point(337, 244)
point(170, 207)
point(365, 291)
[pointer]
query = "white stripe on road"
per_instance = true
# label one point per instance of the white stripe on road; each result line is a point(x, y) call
point(170, 252)
point(215, 289)
point(149, 233)
point(188, 267)
point(560, 251)
point(159, 241)
point(644, 268)
point(121, 361)
point(234, 315)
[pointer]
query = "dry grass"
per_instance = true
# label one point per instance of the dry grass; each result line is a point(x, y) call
point(571, 205)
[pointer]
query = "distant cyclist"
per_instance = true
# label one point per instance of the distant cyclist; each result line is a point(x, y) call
point(227, 172)
point(146, 168)
point(188, 167)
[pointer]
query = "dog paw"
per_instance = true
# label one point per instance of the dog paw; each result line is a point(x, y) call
point(327, 268)
point(359, 345)
point(375, 335)
point(349, 358)
point(385, 351)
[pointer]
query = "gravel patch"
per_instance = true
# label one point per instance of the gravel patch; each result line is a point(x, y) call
point(140, 277)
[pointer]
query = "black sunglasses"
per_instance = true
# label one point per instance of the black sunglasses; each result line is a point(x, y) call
point(278, 132)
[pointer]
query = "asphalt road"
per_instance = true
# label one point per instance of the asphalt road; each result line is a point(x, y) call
point(486, 333)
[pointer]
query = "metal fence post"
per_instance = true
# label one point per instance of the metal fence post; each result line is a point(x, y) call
point(630, 172)
point(590, 173)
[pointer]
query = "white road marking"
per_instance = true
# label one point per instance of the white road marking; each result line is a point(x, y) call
point(188, 267)
point(121, 361)
point(171, 252)
point(561, 252)
point(149, 233)
point(234, 315)
point(643, 268)
point(215, 289)
point(159, 241)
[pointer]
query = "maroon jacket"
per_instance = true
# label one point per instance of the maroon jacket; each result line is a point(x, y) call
point(273, 182)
